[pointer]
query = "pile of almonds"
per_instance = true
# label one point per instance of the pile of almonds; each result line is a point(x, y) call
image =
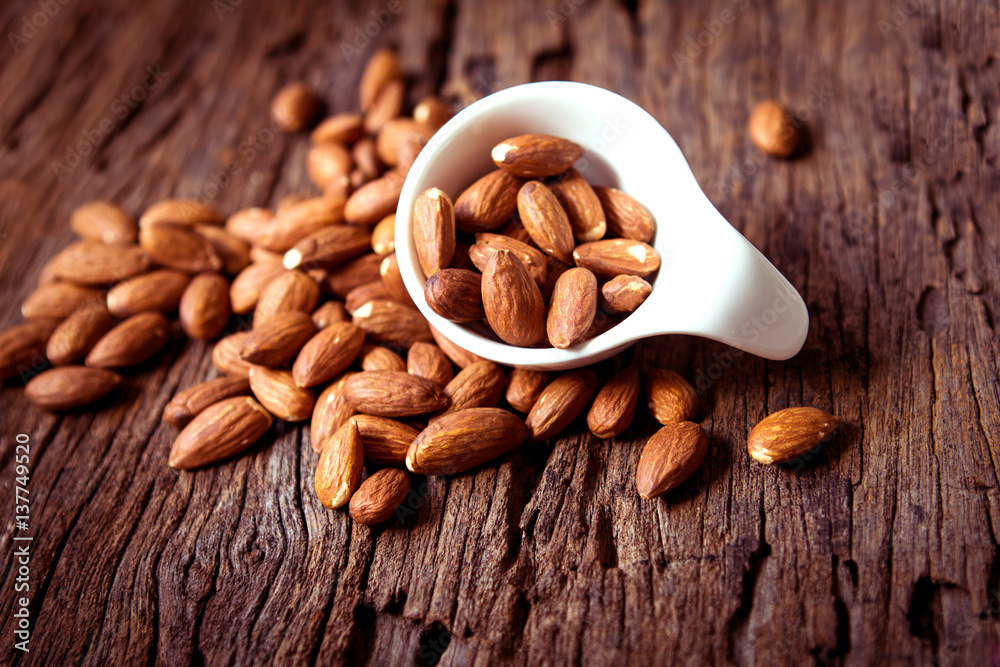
point(335, 338)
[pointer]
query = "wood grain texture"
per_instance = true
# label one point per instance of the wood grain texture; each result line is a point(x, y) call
point(881, 548)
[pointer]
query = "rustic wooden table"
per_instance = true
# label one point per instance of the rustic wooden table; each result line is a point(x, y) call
point(882, 548)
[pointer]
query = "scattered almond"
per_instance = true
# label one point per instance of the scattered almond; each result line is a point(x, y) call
point(204, 309)
point(130, 343)
point(188, 404)
point(788, 434)
point(615, 404)
point(77, 335)
point(294, 107)
point(218, 432)
point(465, 439)
point(105, 222)
point(393, 394)
point(70, 387)
point(562, 401)
point(277, 340)
point(327, 354)
point(341, 463)
point(669, 397)
point(277, 391)
point(377, 498)
point(671, 455)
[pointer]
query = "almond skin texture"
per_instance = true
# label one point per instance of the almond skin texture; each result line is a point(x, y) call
point(512, 301)
point(393, 280)
point(613, 257)
point(478, 386)
point(183, 211)
point(327, 162)
point(276, 341)
point(22, 347)
point(393, 394)
point(103, 221)
point(299, 220)
point(536, 155)
point(669, 397)
point(456, 295)
point(234, 253)
point(294, 107)
point(545, 220)
point(488, 203)
point(379, 358)
point(384, 235)
point(77, 335)
point(226, 355)
point(342, 279)
point(533, 259)
point(277, 392)
point(390, 322)
point(327, 354)
point(624, 294)
point(626, 217)
point(465, 439)
point(249, 224)
point(292, 290)
point(524, 387)
point(582, 206)
point(343, 128)
point(221, 430)
point(385, 440)
point(359, 296)
point(789, 433)
point(328, 248)
point(341, 463)
point(374, 200)
point(93, 263)
point(572, 308)
point(382, 67)
point(774, 129)
point(189, 403)
point(178, 246)
point(204, 308)
point(614, 407)
point(377, 498)
point(70, 387)
point(398, 133)
point(250, 283)
point(460, 357)
point(388, 105)
point(57, 301)
point(428, 361)
point(434, 230)
point(329, 313)
point(330, 413)
point(157, 290)
point(132, 342)
point(670, 456)
point(560, 403)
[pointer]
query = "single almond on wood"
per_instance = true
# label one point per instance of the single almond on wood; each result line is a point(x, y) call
point(393, 394)
point(536, 155)
point(456, 295)
point(465, 439)
point(299, 220)
point(582, 206)
point(624, 294)
point(159, 290)
point(277, 391)
point(342, 279)
point(572, 308)
point(105, 222)
point(512, 301)
point(182, 211)
point(132, 342)
point(385, 440)
point(226, 355)
point(488, 203)
point(77, 335)
point(429, 361)
point(789, 433)
point(626, 217)
point(22, 347)
point(669, 397)
point(433, 230)
point(204, 309)
point(487, 244)
point(292, 290)
point(612, 257)
point(250, 283)
point(341, 463)
point(294, 107)
point(524, 387)
point(57, 301)
point(774, 129)
point(670, 456)
point(70, 387)
point(327, 354)
point(377, 498)
point(221, 430)
point(189, 403)
point(480, 385)
point(179, 246)
point(379, 358)
point(392, 323)
point(562, 401)
point(93, 263)
point(374, 200)
point(277, 340)
point(330, 413)
point(545, 220)
point(614, 406)
point(342, 128)
point(328, 248)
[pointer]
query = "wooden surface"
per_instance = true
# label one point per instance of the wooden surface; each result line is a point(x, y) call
point(881, 548)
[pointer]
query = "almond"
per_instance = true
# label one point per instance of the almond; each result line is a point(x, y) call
point(327, 162)
point(330, 413)
point(612, 257)
point(359, 271)
point(366, 157)
point(536, 155)
point(512, 301)
point(582, 206)
point(130, 343)
point(374, 200)
point(384, 235)
point(57, 301)
point(341, 463)
point(328, 313)
point(182, 211)
point(480, 385)
point(250, 283)
point(220, 431)
point(533, 259)
point(277, 391)
point(488, 203)
point(77, 335)
point(396, 134)
point(562, 401)
point(392, 323)
point(22, 347)
point(456, 295)
point(329, 247)
point(70, 387)
point(670, 456)
point(327, 354)
point(393, 394)
point(459, 356)
point(433, 230)
point(387, 105)
point(93, 263)
point(250, 224)
point(277, 340)
point(191, 402)
point(614, 407)
point(234, 253)
point(294, 107)
point(179, 246)
point(465, 439)
point(524, 387)
point(378, 358)
point(292, 290)
point(545, 220)
point(385, 440)
point(299, 220)
point(343, 128)
point(362, 294)
point(159, 290)
point(382, 67)
point(669, 397)
point(377, 498)
point(393, 281)
point(626, 217)
point(431, 111)
point(774, 129)
point(103, 221)
point(226, 356)
point(789, 433)
point(624, 294)
point(428, 361)
point(572, 309)
point(204, 309)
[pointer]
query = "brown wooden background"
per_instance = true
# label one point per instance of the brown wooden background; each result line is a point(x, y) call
point(884, 547)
